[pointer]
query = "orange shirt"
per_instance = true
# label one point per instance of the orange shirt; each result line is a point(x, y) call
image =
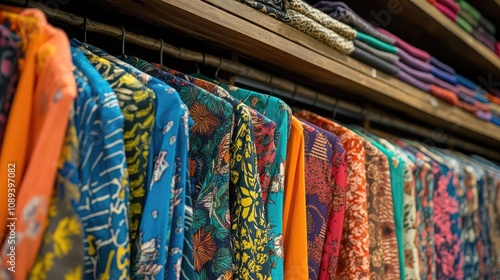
point(294, 212)
point(50, 91)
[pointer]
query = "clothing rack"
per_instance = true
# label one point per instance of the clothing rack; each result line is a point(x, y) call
point(258, 79)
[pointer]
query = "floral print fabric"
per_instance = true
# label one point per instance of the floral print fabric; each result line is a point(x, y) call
point(209, 151)
point(279, 113)
point(273, 8)
point(249, 229)
point(354, 256)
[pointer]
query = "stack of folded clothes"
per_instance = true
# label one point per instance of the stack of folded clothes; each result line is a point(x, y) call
point(338, 26)
point(469, 19)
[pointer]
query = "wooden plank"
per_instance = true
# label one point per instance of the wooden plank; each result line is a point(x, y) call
point(211, 23)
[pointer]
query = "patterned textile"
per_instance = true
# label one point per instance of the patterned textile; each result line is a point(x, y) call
point(9, 73)
point(373, 179)
point(104, 220)
point(248, 224)
point(61, 254)
point(320, 33)
point(324, 199)
point(169, 151)
point(270, 8)
point(343, 13)
point(279, 112)
point(354, 256)
point(209, 151)
point(388, 215)
point(318, 16)
point(139, 123)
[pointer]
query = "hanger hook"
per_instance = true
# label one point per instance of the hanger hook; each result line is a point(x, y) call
point(85, 19)
point(124, 35)
point(335, 108)
point(218, 68)
point(161, 51)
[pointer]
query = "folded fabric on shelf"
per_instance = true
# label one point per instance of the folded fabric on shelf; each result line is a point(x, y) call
point(466, 82)
point(451, 5)
point(389, 57)
point(405, 77)
point(321, 18)
point(374, 42)
point(420, 75)
point(320, 33)
point(437, 81)
point(415, 52)
point(495, 120)
point(435, 62)
point(414, 62)
point(484, 39)
point(444, 94)
point(497, 48)
point(464, 24)
point(490, 27)
point(483, 106)
point(480, 114)
point(343, 13)
point(273, 8)
point(481, 98)
point(446, 11)
point(493, 99)
point(466, 106)
point(450, 78)
point(466, 98)
point(374, 61)
point(467, 91)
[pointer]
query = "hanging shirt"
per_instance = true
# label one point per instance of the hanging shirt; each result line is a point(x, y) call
point(10, 49)
point(294, 210)
point(209, 150)
point(424, 188)
point(263, 130)
point(168, 157)
point(318, 175)
point(37, 135)
point(446, 220)
point(249, 228)
point(138, 127)
point(325, 199)
point(278, 112)
point(387, 221)
point(354, 256)
point(62, 251)
point(412, 265)
point(103, 206)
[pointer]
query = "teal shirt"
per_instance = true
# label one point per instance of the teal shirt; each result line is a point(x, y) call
point(396, 166)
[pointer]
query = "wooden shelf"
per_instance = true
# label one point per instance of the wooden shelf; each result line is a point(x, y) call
point(421, 24)
point(267, 40)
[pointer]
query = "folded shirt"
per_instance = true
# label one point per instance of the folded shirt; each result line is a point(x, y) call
point(449, 78)
point(374, 42)
point(321, 18)
point(493, 99)
point(389, 57)
point(486, 116)
point(405, 77)
point(466, 106)
point(495, 120)
point(484, 39)
point(481, 98)
point(419, 75)
point(490, 27)
point(467, 91)
point(483, 106)
point(466, 98)
point(343, 13)
point(374, 61)
point(466, 82)
point(320, 33)
point(435, 62)
point(415, 52)
point(273, 8)
point(414, 62)
point(464, 24)
point(437, 81)
point(444, 94)
point(446, 11)
point(451, 5)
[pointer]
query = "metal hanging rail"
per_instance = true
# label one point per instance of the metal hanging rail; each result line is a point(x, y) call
point(263, 80)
